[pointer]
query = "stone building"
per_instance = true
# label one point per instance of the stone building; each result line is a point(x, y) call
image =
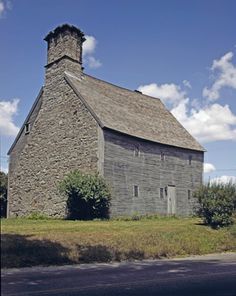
point(80, 122)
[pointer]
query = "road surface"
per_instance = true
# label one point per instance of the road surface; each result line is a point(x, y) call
point(199, 275)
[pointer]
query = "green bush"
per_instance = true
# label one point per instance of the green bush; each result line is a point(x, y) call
point(216, 203)
point(3, 194)
point(88, 196)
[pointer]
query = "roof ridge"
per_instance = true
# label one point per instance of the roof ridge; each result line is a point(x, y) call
point(121, 87)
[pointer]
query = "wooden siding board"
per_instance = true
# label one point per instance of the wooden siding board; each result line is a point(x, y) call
point(123, 170)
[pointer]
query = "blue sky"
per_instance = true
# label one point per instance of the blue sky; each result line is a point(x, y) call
point(180, 51)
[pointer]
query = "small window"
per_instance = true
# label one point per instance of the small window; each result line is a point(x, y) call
point(27, 128)
point(163, 156)
point(136, 151)
point(189, 194)
point(161, 192)
point(190, 159)
point(136, 190)
point(166, 190)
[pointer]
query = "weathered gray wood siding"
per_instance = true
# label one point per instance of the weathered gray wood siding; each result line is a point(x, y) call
point(123, 170)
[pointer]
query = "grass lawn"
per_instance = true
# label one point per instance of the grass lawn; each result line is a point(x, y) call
point(27, 242)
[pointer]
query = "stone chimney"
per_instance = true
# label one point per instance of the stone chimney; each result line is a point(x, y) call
point(65, 43)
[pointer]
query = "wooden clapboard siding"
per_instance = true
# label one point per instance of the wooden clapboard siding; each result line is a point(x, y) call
point(123, 170)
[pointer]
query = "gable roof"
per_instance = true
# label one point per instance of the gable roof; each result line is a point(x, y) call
point(131, 112)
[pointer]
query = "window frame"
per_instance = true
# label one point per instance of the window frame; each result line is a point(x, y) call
point(136, 151)
point(27, 128)
point(162, 156)
point(161, 193)
point(136, 191)
point(190, 158)
point(189, 194)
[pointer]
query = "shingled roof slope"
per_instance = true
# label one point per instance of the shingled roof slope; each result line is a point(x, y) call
point(131, 112)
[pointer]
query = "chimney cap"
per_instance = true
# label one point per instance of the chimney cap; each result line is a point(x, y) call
point(63, 28)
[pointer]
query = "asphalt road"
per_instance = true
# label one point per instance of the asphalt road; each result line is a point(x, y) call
point(200, 275)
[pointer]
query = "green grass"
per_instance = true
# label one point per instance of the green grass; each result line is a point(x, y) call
point(28, 242)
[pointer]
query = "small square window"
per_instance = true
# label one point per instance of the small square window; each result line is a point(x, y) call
point(190, 159)
point(136, 151)
point(163, 156)
point(136, 190)
point(27, 128)
point(161, 192)
point(189, 194)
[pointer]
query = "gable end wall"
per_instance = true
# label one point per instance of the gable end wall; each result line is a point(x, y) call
point(64, 137)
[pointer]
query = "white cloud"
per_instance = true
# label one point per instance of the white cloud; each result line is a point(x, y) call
point(4, 6)
point(211, 123)
point(168, 93)
point(206, 121)
point(209, 167)
point(93, 63)
point(224, 179)
point(187, 83)
point(226, 76)
point(89, 47)
point(7, 110)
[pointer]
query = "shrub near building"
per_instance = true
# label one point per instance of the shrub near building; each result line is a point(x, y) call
point(88, 196)
point(216, 203)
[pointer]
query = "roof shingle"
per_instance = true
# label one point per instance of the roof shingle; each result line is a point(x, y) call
point(131, 112)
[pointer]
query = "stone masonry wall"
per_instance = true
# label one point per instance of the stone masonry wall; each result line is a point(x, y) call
point(23, 138)
point(63, 138)
point(123, 170)
point(66, 43)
